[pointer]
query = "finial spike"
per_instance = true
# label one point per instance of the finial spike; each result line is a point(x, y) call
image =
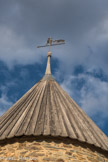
point(48, 68)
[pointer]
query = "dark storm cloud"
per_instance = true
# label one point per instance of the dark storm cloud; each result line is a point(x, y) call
point(25, 24)
point(38, 19)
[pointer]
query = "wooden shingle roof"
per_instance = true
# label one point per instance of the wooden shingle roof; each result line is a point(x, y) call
point(46, 109)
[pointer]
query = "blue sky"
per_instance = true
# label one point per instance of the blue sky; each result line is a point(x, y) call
point(80, 66)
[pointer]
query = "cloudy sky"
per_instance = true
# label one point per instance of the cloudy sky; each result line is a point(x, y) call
point(80, 66)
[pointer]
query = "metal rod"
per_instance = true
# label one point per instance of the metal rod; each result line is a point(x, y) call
point(50, 45)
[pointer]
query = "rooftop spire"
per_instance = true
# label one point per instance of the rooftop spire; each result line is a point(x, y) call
point(50, 43)
point(48, 68)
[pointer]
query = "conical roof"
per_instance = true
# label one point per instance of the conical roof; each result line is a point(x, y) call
point(46, 109)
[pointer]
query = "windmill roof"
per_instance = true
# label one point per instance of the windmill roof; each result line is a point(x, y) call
point(46, 109)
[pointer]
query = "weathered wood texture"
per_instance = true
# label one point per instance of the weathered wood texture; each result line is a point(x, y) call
point(46, 109)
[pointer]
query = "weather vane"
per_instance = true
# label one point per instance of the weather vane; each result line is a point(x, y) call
point(51, 42)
